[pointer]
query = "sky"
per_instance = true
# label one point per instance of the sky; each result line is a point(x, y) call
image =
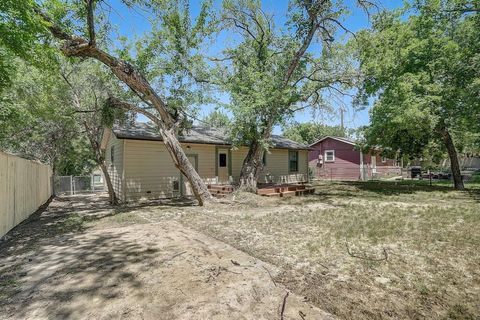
point(133, 23)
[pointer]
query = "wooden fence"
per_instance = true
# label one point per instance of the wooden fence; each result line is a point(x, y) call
point(24, 186)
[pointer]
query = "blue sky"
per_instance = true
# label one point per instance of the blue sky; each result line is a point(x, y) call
point(131, 23)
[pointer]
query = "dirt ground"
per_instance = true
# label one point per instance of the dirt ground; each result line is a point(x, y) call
point(79, 259)
point(373, 250)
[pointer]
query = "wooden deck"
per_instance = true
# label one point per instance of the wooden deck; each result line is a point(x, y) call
point(219, 190)
point(284, 190)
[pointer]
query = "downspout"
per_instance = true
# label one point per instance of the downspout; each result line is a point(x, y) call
point(124, 183)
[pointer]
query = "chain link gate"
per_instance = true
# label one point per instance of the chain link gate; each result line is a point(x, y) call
point(70, 185)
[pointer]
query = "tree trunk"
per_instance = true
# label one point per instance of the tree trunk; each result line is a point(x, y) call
point(251, 168)
point(78, 47)
point(181, 161)
point(254, 160)
point(452, 154)
point(112, 197)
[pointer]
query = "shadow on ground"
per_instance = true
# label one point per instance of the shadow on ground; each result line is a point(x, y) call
point(54, 228)
point(53, 267)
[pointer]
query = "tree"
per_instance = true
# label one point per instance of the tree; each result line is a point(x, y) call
point(83, 32)
point(217, 119)
point(90, 86)
point(423, 71)
point(36, 122)
point(271, 74)
point(310, 132)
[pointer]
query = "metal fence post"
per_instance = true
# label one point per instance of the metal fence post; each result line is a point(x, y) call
point(71, 186)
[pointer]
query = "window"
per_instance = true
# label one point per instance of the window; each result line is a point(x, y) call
point(112, 153)
point(97, 178)
point(222, 160)
point(329, 155)
point(264, 159)
point(384, 159)
point(293, 161)
point(176, 185)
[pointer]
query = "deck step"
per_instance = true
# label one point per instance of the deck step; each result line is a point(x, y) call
point(274, 194)
point(286, 194)
point(219, 195)
point(266, 191)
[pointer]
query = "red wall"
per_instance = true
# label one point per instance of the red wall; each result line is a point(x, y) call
point(346, 165)
point(347, 162)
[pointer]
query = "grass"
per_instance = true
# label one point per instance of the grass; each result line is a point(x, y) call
point(371, 250)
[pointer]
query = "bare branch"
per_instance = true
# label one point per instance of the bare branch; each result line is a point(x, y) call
point(90, 6)
point(117, 103)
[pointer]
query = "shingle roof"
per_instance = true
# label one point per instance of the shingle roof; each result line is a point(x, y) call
point(346, 140)
point(197, 134)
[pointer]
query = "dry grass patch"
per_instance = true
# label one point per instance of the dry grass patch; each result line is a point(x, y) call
point(361, 250)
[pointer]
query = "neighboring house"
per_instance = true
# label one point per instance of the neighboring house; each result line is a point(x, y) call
point(141, 167)
point(337, 158)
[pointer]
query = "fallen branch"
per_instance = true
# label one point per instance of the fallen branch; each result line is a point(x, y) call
point(301, 314)
point(271, 278)
point(172, 257)
point(283, 306)
point(385, 257)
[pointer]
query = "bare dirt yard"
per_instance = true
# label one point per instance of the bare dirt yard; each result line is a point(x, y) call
point(80, 260)
point(376, 250)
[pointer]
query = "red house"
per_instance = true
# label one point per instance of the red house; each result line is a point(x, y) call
point(337, 158)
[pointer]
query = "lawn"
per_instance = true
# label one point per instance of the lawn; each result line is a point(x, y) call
point(371, 250)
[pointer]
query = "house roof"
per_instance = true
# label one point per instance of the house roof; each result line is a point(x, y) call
point(335, 138)
point(196, 134)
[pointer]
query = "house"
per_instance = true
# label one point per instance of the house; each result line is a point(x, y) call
point(337, 158)
point(141, 167)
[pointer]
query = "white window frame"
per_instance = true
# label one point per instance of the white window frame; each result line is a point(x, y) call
point(326, 158)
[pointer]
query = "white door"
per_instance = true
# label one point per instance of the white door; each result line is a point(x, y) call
point(222, 165)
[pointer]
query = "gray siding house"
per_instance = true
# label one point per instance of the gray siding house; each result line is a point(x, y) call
point(141, 167)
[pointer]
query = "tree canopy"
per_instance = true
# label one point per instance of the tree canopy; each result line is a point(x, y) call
point(310, 132)
point(423, 72)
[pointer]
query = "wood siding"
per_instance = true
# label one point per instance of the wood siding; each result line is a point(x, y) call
point(149, 171)
point(347, 162)
point(276, 168)
point(24, 186)
point(346, 165)
point(115, 169)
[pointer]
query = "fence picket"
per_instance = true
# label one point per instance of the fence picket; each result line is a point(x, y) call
point(24, 186)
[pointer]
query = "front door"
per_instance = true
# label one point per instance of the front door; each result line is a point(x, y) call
point(222, 165)
point(184, 183)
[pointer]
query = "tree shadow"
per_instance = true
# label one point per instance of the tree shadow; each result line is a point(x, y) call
point(72, 268)
point(398, 187)
point(52, 245)
point(330, 193)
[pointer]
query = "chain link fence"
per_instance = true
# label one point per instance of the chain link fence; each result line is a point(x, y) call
point(356, 174)
point(70, 185)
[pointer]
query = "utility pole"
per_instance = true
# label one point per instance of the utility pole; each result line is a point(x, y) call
point(342, 110)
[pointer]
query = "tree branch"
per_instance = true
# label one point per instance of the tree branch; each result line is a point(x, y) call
point(90, 4)
point(117, 103)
